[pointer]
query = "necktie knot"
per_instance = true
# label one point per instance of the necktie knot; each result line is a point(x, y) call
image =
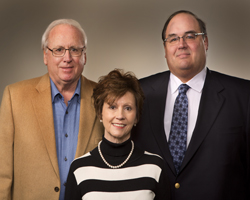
point(183, 88)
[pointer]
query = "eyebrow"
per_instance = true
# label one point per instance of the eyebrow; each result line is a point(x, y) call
point(60, 46)
point(173, 34)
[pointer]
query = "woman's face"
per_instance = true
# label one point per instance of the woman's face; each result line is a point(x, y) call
point(119, 118)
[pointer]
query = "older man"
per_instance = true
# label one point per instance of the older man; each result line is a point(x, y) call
point(47, 121)
point(198, 120)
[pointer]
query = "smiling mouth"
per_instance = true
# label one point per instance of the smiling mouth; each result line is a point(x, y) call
point(183, 54)
point(67, 69)
point(119, 125)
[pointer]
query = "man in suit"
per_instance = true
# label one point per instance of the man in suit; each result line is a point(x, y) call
point(216, 135)
point(47, 121)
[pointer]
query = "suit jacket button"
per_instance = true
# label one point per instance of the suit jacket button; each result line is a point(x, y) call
point(56, 189)
point(177, 185)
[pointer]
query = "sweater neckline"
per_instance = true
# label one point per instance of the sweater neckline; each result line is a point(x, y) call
point(115, 149)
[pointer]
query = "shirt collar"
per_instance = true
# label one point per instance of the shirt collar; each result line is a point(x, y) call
point(55, 91)
point(196, 83)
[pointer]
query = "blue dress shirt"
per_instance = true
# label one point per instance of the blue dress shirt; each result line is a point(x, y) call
point(66, 122)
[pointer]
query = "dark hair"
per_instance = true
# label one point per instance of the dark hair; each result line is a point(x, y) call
point(115, 85)
point(202, 24)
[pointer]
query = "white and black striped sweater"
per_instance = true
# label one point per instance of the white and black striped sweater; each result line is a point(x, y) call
point(141, 178)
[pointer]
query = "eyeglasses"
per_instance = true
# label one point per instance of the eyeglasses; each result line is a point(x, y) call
point(187, 37)
point(60, 52)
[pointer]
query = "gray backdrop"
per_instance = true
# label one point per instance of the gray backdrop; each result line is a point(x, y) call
point(121, 34)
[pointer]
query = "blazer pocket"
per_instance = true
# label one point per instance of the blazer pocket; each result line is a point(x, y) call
point(230, 130)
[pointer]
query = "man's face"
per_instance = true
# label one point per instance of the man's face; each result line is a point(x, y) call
point(64, 70)
point(185, 59)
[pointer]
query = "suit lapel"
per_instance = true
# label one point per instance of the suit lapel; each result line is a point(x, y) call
point(87, 116)
point(210, 105)
point(156, 107)
point(42, 104)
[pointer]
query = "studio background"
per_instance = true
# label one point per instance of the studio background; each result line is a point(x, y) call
point(121, 34)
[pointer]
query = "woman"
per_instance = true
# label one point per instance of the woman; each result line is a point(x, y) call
point(116, 169)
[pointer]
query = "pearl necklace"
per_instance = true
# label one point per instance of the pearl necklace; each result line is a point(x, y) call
point(117, 166)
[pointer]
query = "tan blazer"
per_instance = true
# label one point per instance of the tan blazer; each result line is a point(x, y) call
point(29, 167)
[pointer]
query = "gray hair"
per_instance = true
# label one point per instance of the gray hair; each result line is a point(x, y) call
point(71, 22)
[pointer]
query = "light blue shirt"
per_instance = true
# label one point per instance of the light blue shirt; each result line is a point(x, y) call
point(66, 122)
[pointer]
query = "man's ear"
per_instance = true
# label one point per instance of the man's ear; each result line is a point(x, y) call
point(85, 58)
point(206, 42)
point(45, 57)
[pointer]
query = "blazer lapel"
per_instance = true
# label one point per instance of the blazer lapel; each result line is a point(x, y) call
point(87, 116)
point(42, 104)
point(210, 105)
point(156, 107)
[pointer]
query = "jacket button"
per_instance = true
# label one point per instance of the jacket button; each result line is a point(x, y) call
point(56, 189)
point(177, 185)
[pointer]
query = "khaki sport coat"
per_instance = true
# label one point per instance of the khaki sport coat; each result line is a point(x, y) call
point(29, 167)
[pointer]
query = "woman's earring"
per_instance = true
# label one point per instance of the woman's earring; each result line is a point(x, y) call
point(100, 120)
point(134, 124)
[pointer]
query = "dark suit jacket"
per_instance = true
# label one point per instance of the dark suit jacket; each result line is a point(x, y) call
point(216, 163)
